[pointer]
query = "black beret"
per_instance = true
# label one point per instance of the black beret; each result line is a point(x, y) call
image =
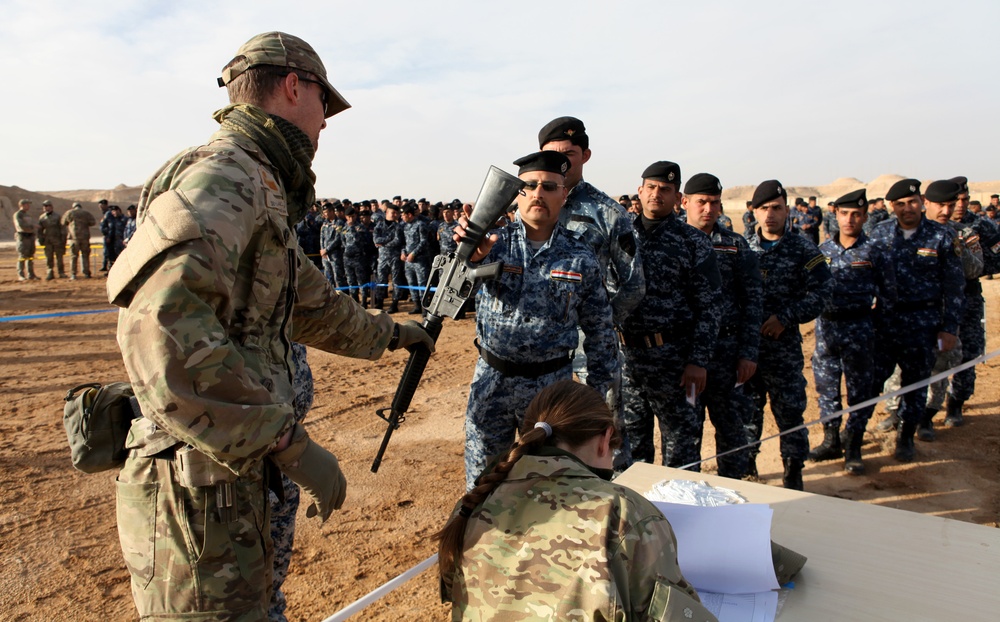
point(549, 161)
point(902, 189)
point(348, 211)
point(102, 202)
point(703, 183)
point(812, 198)
point(346, 201)
point(564, 128)
point(962, 181)
point(366, 203)
point(853, 199)
point(942, 191)
point(768, 191)
point(409, 209)
point(328, 206)
point(421, 200)
point(664, 171)
point(876, 200)
point(995, 196)
point(623, 197)
point(397, 198)
point(635, 197)
point(991, 208)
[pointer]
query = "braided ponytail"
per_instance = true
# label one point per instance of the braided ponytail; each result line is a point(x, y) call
point(571, 412)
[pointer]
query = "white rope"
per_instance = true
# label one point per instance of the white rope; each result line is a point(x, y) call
point(864, 404)
point(382, 590)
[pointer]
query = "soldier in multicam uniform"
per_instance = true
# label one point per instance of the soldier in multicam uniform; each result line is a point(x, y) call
point(284, 508)
point(78, 222)
point(797, 286)
point(415, 254)
point(589, 549)
point(929, 308)
point(669, 339)
point(862, 274)
point(52, 237)
point(388, 238)
point(734, 360)
point(600, 221)
point(213, 290)
point(526, 319)
point(24, 234)
point(972, 330)
point(940, 200)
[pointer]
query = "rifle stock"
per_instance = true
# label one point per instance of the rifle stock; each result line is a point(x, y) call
point(452, 281)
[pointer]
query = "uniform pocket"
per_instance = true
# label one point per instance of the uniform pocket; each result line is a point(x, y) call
point(136, 513)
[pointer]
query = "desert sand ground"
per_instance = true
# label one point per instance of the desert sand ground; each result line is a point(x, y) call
point(59, 553)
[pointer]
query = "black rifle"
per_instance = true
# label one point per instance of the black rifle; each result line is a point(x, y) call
point(453, 280)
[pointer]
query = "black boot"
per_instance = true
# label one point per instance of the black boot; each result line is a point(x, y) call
point(953, 418)
point(792, 479)
point(904, 441)
point(752, 468)
point(852, 453)
point(830, 449)
point(925, 429)
point(394, 306)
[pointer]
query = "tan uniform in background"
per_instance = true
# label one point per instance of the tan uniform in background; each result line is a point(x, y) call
point(52, 237)
point(77, 223)
point(24, 234)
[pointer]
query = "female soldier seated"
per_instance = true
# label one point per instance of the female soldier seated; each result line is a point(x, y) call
point(545, 534)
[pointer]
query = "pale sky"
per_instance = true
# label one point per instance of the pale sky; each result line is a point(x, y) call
point(102, 93)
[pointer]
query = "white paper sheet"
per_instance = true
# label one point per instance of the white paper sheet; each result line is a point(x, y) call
point(759, 607)
point(724, 549)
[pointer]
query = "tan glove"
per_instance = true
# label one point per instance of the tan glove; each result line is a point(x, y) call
point(412, 333)
point(315, 470)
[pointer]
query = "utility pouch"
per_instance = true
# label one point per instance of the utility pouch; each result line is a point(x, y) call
point(196, 470)
point(97, 419)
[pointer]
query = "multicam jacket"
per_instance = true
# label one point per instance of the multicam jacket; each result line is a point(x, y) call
point(555, 541)
point(213, 288)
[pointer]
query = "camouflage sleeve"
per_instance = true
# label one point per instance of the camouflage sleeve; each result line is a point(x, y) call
point(750, 297)
point(972, 253)
point(952, 286)
point(630, 284)
point(818, 284)
point(600, 340)
point(423, 238)
point(647, 557)
point(329, 320)
point(989, 239)
point(704, 289)
point(885, 275)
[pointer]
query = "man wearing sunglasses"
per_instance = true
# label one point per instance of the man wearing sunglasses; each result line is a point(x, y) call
point(213, 288)
point(526, 319)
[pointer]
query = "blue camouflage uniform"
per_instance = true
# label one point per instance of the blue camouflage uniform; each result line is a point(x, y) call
point(129, 228)
point(830, 225)
point(358, 252)
point(675, 324)
point(725, 222)
point(749, 222)
point(446, 232)
point(797, 286)
point(283, 510)
point(845, 331)
point(388, 237)
point(416, 240)
point(972, 331)
point(930, 287)
point(607, 228)
point(113, 228)
point(875, 216)
point(526, 327)
point(329, 240)
point(308, 230)
point(739, 336)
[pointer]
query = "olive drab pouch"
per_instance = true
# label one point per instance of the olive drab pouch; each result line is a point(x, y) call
point(97, 419)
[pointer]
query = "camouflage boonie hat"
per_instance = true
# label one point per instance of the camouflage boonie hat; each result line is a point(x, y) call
point(24, 202)
point(46, 202)
point(283, 50)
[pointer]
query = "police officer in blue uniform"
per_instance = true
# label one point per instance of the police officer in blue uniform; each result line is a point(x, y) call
point(797, 286)
point(416, 254)
point(862, 273)
point(734, 359)
point(526, 320)
point(930, 287)
point(388, 239)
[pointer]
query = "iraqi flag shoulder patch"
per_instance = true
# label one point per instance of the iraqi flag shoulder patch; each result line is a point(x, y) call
point(566, 276)
point(927, 252)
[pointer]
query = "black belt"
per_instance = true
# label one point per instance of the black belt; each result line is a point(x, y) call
point(635, 339)
point(917, 305)
point(523, 370)
point(847, 314)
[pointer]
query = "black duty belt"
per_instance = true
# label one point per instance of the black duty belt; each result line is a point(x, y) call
point(523, 370)
point(635, 339)
point(847, 314)
point(917, 305)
